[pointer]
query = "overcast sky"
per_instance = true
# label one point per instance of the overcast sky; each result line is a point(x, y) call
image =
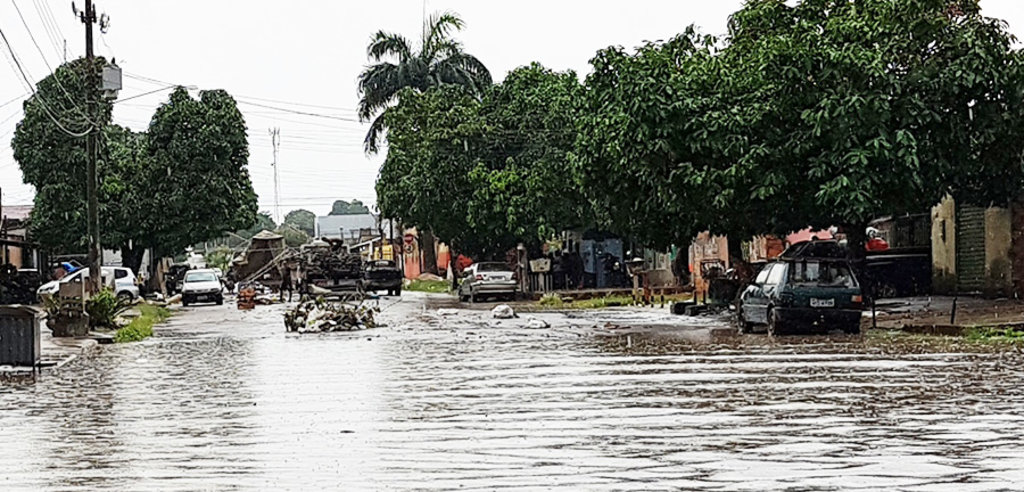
point(306, 55)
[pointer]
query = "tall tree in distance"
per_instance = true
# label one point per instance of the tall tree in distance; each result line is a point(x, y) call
point(396, 65)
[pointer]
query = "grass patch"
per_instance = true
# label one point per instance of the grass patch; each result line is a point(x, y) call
point(553, 301)
point(990, 334)
point(142, 327)
point(435, 286)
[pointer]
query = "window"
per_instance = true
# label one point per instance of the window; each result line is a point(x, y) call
point(822, 274)
point(200, 277)
point(777, 274)
point(119, 273)
point(491, 267)
point(763, 276)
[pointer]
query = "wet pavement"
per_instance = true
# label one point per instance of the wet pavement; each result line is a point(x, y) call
point(612, 400)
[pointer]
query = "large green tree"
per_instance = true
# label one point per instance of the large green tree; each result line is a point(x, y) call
point(821, 113)
point(50, 151)
point(199, 182)
point(524, 188)
point(486, 174)
point(397, 65)
point(425, 180)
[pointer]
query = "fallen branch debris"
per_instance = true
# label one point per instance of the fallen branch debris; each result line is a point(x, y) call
point(319, 315)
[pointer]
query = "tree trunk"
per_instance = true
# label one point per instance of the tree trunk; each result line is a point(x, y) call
point(429, 252)
point(452, 266)
point(856, 243)
point(132, 258)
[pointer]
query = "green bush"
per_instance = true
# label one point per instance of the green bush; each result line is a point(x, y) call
point(142, 327)
point(104, 308)
point(436, 286)
point(552, 301)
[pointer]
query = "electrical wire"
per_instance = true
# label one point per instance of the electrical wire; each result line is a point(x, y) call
point(56, 79)
point(51, 27)
point(41, 100)
point(294, 111)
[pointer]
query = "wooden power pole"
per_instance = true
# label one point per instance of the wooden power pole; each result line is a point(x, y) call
point(88, 17)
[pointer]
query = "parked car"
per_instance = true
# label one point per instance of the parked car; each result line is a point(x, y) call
point(487, 280)
point(201, 286)
point(814, 293)
point(383, 275)
point(119, 279)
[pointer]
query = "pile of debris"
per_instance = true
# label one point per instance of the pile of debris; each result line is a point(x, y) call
point(18, 286)
point(318, 315)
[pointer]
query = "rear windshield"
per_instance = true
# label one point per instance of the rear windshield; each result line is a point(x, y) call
point(491, 267)
point(822, 274)
point(200, 277)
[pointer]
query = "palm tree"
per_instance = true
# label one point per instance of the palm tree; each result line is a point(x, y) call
point(395, 66)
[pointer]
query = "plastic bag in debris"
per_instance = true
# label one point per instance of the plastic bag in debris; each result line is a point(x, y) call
point(503, 311)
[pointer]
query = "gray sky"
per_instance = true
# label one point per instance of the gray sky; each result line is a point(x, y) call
point(287, 55)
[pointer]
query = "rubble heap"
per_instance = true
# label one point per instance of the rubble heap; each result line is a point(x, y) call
point(18, 287)
point(318, 315)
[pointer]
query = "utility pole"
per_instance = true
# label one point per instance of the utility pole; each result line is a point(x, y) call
point(88, 17)
point(275, 140)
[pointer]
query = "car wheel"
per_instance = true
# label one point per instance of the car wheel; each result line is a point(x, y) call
point(773, 324)
point(852, 330)
point(398, 292)
point(744, 326)
point(126, 296)
point(220, 300)
point(184, 303)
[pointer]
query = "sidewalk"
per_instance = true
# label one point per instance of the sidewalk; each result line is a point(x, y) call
point(56, 352)
point(933, 314)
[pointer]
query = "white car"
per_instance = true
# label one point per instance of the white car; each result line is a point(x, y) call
point(119, 279)
point(487, 280)
point(201, 286)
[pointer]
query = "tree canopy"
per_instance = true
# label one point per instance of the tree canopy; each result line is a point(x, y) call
point(823, 113)
point(301, 219)
point(484, 174)
point(396, 65)
point(342, 207)
point(181, 183)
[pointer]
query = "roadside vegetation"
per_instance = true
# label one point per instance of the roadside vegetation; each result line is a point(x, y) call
point(994, 335)
point(142, 327)
point(434, 286)
point(555, 302)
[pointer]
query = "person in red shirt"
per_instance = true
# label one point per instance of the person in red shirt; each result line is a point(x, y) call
point(875, 241)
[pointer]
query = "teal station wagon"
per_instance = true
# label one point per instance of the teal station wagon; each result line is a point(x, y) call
point(815, 294)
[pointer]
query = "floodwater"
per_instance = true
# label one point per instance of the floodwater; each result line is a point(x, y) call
point(225, 400)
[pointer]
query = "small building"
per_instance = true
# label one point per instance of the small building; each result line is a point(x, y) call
point(350, 228)
point(977, 249)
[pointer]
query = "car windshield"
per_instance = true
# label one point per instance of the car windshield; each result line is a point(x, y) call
point(200, 277)
point(822, 274)
point(492, 267)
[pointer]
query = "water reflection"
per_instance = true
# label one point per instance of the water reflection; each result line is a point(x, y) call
point(224, 399)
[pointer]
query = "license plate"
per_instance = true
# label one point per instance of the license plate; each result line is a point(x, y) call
point(823, 303)
point(201, 298)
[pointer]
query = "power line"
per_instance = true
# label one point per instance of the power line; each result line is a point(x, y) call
point(295, 111)
point(41, 100)
point(51, 28)
point(47, 63)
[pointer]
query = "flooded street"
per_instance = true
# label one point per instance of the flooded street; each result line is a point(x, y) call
point(222, 400)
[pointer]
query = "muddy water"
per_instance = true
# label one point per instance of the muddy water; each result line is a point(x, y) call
point(223, 400)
